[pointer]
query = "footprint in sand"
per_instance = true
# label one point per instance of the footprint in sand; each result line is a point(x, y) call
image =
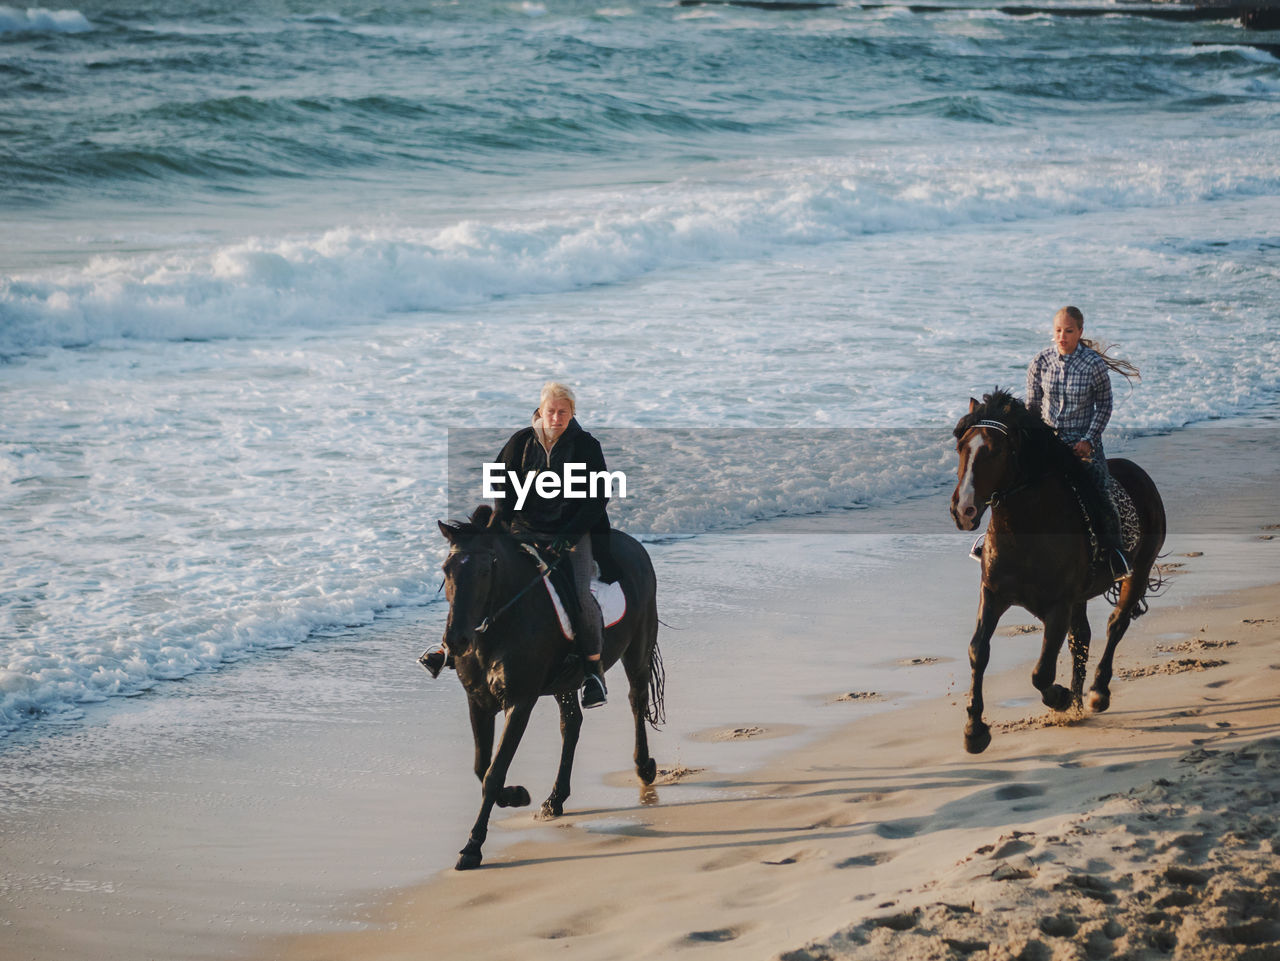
point(905, 828)
point(866, 860)
point(716, 935)
point(1016, 792)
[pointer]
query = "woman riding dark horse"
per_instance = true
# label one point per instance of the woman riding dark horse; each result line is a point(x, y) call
point(1039, 552)
point(577, 529)
point(1069, 386)
point(508, 646)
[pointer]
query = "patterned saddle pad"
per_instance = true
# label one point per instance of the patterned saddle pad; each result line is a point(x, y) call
point(1130, 527)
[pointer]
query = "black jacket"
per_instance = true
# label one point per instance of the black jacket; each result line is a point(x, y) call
point(558, 516)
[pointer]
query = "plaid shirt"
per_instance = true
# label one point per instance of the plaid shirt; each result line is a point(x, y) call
point(1072, 394)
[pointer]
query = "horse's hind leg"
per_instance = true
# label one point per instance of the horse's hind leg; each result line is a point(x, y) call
point(1079, 645)
point(495, 788)
point(1131, 593)
point(1054, 695)
point(570, 726)
point(637, 660)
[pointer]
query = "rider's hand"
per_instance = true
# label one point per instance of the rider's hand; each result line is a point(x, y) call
point(560, 545)
point(1083, 449)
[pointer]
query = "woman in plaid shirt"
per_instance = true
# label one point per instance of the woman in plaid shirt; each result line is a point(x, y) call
point(1069, 386)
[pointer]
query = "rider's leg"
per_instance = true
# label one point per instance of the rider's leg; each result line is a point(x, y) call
point(589, 625)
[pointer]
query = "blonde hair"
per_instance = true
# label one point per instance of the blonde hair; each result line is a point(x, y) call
point(554, 390)
point(1103, 350)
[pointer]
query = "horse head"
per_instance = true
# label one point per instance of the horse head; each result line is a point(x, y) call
point(987, 442)
point(471, 573)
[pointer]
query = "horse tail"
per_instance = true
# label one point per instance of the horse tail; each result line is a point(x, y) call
point(656, 711)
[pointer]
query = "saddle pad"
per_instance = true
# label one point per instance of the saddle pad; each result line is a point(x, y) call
point(612, 601)
point(1130, 526)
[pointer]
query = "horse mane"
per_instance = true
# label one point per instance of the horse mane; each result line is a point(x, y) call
point(1040, 449)
point(482, 519)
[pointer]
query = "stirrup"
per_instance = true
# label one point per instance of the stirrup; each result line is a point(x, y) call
point(594, 693)
point(976, 550)
point(435, 660)
point(1120, 567)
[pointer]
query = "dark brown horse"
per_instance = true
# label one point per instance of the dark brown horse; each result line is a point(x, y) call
point(519, 656)
point(1039, 550)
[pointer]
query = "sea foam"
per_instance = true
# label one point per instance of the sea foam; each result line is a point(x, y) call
point(354, 274)
point(39, 20)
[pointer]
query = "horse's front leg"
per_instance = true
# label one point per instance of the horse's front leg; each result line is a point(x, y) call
point(570, 725)
point(482, 725)
point(495, 789)
point(976, 733)
point(1079, 646)
point(1055, 632)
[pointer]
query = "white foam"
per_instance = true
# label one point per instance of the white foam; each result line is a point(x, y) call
point(354, 274)
point(40, 20)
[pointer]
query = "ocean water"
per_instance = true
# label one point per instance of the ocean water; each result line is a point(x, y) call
point(257, 262)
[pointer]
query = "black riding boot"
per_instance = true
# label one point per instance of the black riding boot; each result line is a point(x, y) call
point(1112, 545)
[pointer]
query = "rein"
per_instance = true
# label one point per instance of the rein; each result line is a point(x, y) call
point(487, 623)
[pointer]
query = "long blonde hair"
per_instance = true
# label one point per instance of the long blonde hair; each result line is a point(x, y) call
point(1103, 349)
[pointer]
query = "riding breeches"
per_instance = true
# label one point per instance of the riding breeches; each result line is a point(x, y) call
point(1110, 519)
point(588, 625)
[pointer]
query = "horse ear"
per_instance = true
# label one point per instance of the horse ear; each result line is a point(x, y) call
point(449, 532)
point(973, 405)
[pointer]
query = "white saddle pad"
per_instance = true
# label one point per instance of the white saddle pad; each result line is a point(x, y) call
point(613, 603)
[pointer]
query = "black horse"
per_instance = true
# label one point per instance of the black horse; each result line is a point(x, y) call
point(1040, 547)
point(520, 655)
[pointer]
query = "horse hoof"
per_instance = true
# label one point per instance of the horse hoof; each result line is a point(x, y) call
point(514, 797)
point(976, 741)
point(551, 809)
point(469, 858)
point(1057, 697)
point(647, 771)
point(1099, 701)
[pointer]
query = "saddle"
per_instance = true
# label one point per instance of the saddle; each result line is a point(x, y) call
point(1130, 526)
point(558, 581)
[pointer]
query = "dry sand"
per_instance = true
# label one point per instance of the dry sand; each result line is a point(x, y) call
point(1146, 832)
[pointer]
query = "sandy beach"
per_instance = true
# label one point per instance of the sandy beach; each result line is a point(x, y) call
point(1148, 831)
point(828, 813)
point(1145, 832)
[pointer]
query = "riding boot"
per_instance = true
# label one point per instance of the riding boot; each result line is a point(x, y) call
point(435, 659)
point(594, 692)
point(1112, 545)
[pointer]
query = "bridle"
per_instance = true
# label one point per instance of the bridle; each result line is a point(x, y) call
point(1000, 496)
point(493, 567)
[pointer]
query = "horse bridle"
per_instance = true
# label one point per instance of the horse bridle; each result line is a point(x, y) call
point(999, 496)
point(493, 558)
